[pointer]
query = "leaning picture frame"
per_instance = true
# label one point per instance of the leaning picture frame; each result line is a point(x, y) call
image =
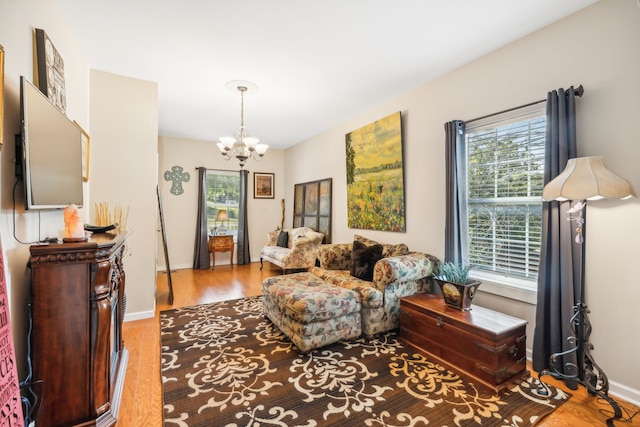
point(1, 94)
point(86, 152)
point(312, 206)
point(263, 185)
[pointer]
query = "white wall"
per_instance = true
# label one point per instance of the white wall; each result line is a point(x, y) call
point(17, 23)
point(596, 47)
point(180, 211)
point(124, 172)
point(115, 158)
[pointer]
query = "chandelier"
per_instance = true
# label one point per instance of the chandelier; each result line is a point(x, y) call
point(241, 146)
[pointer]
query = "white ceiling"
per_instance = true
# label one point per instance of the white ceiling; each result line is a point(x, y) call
point(315, 63)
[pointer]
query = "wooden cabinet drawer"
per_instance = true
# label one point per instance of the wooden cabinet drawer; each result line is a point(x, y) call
point(484, 345)
point(222, 243)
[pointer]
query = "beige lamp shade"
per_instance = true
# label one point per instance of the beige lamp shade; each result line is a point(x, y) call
point(587, 178)
point(222, 215)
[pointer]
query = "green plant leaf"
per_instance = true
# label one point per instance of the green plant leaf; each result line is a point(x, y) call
point(455, 273)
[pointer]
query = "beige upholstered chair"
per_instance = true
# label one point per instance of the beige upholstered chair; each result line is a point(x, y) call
point(298, 253)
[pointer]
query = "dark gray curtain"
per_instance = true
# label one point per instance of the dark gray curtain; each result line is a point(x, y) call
point(559, 270)
point(201, 257)
point(243, 256)
point(456, 224)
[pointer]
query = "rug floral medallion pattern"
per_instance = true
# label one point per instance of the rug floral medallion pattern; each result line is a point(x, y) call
point(225, 364)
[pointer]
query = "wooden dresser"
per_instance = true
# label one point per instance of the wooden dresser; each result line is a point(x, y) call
point(78, 352)
point(484, 346)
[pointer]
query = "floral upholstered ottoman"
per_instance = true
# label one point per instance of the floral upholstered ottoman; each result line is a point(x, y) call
point(310, 311)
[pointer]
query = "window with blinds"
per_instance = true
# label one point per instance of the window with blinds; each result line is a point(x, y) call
point(505, 167)
point(223, 192)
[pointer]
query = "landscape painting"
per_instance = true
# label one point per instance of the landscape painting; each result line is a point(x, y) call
point(375, 177)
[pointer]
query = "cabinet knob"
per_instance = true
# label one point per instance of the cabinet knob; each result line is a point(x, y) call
point(439, 322)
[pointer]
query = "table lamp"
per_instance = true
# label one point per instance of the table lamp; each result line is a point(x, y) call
point(222, 216)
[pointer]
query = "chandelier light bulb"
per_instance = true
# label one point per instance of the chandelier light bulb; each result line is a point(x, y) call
point(251, 142)
point(226, 143)
point(261, 149)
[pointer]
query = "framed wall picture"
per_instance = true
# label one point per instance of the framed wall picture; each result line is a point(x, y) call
point(263, 185)
point(312, 206)
point(50, 67)
point(86, 152)
point(375, 176)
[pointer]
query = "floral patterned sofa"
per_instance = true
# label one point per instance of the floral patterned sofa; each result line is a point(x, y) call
point(327, 303)
point(398, 274)
point(292, 249)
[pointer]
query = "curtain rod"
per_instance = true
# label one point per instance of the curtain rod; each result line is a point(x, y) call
point(578, 91)
point(212, 169)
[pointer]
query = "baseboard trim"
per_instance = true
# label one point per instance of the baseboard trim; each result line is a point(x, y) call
point(616, 389)
point(130, 317)
point(163, 269)
point(622, 391)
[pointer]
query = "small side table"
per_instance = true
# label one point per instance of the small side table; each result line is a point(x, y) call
point(220, 243)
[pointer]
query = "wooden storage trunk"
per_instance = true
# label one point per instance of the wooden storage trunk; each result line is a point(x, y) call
point(484, 346)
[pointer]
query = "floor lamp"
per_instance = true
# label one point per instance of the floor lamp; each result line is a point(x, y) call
point(584, 178)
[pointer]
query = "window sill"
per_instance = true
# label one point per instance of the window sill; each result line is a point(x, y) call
point(506, 289)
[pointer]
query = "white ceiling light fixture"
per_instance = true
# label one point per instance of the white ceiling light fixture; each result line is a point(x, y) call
point(241, 145)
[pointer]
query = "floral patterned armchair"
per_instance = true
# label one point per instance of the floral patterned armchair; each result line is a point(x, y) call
point(297, 250)
point(398, 274)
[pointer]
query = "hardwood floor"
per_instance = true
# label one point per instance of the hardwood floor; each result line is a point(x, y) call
point(142, 397)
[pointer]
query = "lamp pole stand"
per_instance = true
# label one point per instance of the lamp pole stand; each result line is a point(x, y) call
point(585, 371)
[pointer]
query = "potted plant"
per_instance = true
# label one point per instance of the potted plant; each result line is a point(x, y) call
point(456, 287)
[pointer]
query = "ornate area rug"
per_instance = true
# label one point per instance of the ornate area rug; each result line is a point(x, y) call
point(225, 364)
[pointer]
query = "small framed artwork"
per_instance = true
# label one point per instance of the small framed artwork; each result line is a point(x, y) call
point(50, 70)
point(263, 185)
point(86, 152)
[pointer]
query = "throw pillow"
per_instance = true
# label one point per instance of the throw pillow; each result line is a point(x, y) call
point(283, 239)
point(394, 250)
point(388, 250)
point(272, 237)
point(363, 259)
point(365, 240)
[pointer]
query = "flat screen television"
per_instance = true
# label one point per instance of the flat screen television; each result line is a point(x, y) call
point(49, 156)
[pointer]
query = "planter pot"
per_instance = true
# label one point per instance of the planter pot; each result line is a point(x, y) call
point(457, 295)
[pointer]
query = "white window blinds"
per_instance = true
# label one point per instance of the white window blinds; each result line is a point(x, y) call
point(505, 161)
